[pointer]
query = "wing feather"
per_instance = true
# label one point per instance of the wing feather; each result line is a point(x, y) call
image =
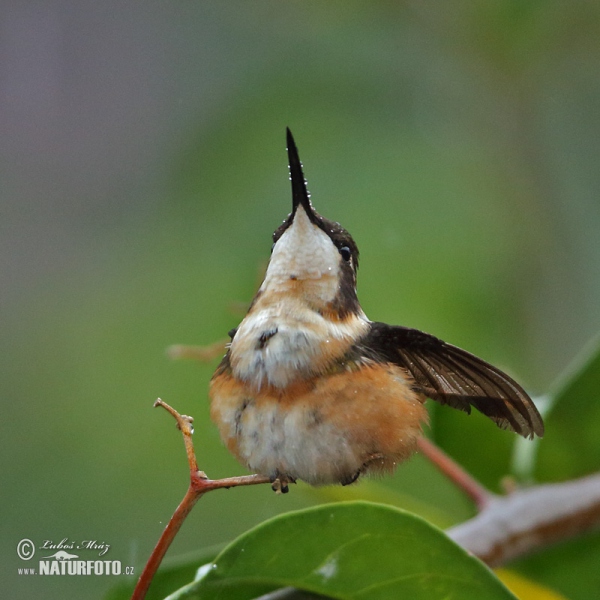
point(453, 376)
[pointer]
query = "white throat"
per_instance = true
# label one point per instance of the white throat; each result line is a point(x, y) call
point(304, 253)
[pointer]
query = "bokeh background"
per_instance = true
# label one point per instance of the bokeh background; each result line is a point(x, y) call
point(143, 170)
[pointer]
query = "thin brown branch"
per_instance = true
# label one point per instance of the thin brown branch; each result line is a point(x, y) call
point(525, 519)
point(167, 537)
point(199, 353)
point(208, 485)
point(453, 471)
point(529, 519)
point(185, 424)
point(200, 484)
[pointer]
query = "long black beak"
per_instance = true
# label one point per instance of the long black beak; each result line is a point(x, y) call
point(300, 195)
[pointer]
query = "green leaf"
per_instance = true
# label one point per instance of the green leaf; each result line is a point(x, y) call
point(570, 447)
point(173, 573)
point(349, 551)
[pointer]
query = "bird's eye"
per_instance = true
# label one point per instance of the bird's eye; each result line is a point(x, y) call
point(345, 252)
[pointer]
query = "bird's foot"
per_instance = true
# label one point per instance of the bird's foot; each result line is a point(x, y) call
point(279, 483)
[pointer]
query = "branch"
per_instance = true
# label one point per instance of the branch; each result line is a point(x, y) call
point(200, 484)
point(524, 520)
point(529, 519)
point(200, 353)
point(480, 495)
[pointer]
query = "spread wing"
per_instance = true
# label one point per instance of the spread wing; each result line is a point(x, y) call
point(455, 377)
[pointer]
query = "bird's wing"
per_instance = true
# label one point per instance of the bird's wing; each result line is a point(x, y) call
point(455, 377)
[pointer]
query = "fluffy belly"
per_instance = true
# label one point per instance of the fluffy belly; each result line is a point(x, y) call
point(326, 430)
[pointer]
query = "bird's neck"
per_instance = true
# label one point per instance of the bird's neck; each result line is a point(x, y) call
point(283, 339)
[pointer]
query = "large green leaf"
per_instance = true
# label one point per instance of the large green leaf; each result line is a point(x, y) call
point(349, 551)
point(570, 447)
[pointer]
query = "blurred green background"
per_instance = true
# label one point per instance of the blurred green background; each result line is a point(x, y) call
point(144, 169)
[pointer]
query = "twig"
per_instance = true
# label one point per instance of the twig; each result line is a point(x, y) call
point(199, 485)
point(532, 518)
point(453, 471)
point(525, 519)
point(199, 353)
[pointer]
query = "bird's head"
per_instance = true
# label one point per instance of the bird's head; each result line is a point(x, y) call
point(313, 259)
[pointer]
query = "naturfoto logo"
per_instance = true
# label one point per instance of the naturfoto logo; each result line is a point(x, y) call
point(63, 561)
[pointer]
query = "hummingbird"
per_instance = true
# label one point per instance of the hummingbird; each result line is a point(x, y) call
point(310, 389)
